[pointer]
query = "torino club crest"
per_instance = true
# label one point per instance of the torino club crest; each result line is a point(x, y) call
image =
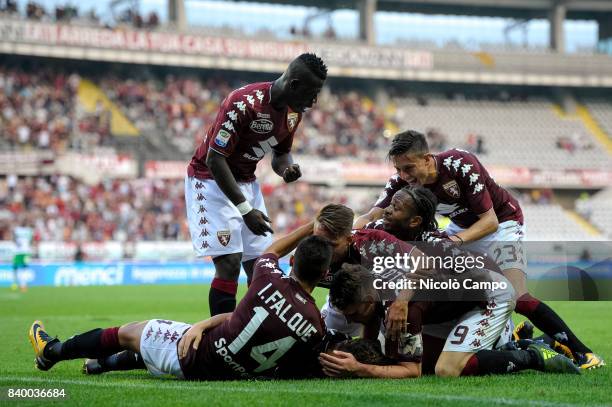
point(292, 119)
point(452, 188)
point(224, 237)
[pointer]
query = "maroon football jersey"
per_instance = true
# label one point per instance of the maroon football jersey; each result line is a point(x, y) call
point(424, 237)
point(277, 323)
point(246, 128)
point(366, 244)
point(464, 190)
point(438, 243)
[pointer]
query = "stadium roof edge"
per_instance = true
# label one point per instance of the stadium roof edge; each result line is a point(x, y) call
point(519, 9)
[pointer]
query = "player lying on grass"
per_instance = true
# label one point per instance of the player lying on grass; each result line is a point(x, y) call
point(483, 214)
point(364, 350)
point(468, 349)
point(276, 327)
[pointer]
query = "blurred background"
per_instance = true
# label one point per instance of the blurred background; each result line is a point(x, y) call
point(103, 102)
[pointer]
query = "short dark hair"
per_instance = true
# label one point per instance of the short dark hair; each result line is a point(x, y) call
point(312, 259)
point(426, 203)
point(409, 141)
point(348, 286)
point(366, 351)
point(314, 65)
point(336, 219)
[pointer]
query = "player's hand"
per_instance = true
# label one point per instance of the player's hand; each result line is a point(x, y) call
point(340, 364)
point(396, 320)
point(292, 173)
point(456, 239)
point(191, 338)
point(257, 222)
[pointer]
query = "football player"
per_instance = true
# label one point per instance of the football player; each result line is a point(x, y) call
point(334, 222)
point(484, 216)
point(276, 326)
point(22, 236)
point(225, 208)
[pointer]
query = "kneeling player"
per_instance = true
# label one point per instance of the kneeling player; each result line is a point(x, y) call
point(276, 326)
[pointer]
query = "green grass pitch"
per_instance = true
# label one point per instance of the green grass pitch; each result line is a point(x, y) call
point(75, 309)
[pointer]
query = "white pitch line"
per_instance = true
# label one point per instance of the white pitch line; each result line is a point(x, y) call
point(199, 386)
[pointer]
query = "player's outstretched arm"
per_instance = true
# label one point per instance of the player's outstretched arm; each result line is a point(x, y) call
point(255, 220)
point(344, 364)
point(403, 370)
point(373, 215)
point(283, 166)
point(286, 244)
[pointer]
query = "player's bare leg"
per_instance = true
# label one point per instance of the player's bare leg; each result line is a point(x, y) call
point(518, 280)
point(549, 322)
point(129, 335)
point(451, 364)
point(248, 269)
point(97, 343)
point(222, 294)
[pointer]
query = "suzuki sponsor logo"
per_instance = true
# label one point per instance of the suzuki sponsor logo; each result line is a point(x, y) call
point(262, 126)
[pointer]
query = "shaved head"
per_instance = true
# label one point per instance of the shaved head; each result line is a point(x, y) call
point(300, 84)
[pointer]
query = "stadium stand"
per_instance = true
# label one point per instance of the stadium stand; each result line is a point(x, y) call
point(37, 110)
point(65, 209)
point(344, 123)
point(599, 208)
point(602, 112)
point(171, 112)
point(531, 130)
point(61, 112)
point(549, 222)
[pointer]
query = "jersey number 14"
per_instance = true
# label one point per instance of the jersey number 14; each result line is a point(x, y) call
point(279, 346)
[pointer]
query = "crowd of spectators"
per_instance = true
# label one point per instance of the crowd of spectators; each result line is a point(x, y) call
point(38, 110)
point(344, 124)
point(177, 108)
point(61, 208)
